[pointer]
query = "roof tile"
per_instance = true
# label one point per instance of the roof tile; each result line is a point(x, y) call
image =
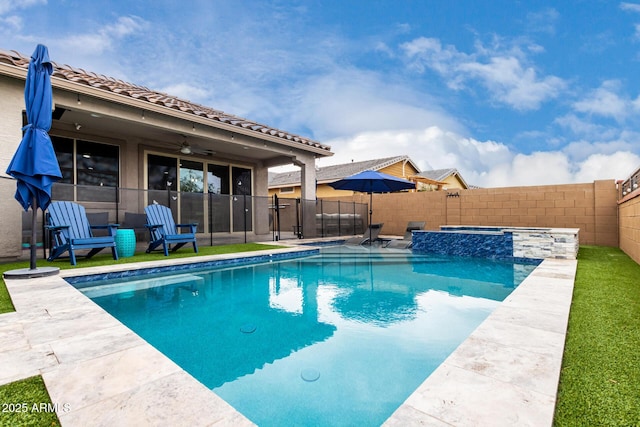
point(110, 84)
point(334, 172)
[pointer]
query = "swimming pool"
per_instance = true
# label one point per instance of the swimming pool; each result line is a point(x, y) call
point(340, 338)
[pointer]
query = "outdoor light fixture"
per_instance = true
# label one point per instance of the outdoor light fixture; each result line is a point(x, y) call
point(79, 102)
point(185, 149)
point(142, 114)
point(77, 126)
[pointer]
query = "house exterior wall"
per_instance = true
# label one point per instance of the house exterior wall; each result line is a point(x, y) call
point(399, 169)
point(629, 211)
point(132, 155)
point(590, 207)
point(11, 224)
point(11, 107)
point(453, 182)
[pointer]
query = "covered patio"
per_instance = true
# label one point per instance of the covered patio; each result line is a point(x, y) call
point(109, 134)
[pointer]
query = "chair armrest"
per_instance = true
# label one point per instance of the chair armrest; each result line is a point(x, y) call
point(192, 226)
point(155, 228)
point(57, 227)
point(113, 228)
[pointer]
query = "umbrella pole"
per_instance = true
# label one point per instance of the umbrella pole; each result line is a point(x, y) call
point(370, 214)
point(32, 255)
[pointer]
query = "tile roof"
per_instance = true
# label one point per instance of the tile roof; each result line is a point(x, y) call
point(438, 174)
point(335, 172)
point(109, 84)
point(442, 174)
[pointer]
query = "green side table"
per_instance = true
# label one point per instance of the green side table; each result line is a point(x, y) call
point(125, 242)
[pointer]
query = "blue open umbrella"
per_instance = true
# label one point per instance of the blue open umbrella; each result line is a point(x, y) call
point(34, 164)
point(369, 181)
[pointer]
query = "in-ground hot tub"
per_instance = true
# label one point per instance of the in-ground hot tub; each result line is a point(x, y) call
point(499, 242)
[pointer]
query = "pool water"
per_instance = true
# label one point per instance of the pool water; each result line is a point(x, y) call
point(341, 338)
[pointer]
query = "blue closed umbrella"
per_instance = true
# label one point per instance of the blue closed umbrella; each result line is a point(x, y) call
point(34, 164)
point(369, 181)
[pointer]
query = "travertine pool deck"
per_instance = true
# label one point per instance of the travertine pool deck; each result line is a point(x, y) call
point(100, 373)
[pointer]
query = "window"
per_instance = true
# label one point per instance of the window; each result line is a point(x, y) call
point(205, 193)
point(242, 206)
point(162, 172)
point(64, 153)
point(218, 179)
point(97, 164)
point(241, 181)
point(191, 177)
point(93, 167)
point(286, 190)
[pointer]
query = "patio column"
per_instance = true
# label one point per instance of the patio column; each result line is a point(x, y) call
point(307, 165)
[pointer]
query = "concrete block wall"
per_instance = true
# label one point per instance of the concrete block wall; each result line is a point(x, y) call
point(629, 210)
point(590, 207)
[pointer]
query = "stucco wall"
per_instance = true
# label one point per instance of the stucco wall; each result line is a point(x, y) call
point(11, 106)
point(591, 207)
point(11, 223)
point(629, 210)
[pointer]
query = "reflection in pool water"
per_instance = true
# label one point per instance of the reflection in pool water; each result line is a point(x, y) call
point(342, 338)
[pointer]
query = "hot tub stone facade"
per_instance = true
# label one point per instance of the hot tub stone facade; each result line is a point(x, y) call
point(499, 242)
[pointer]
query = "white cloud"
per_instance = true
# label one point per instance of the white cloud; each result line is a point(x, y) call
point(632, 7)
point(13, 23)
point(585, 128)
point(105, 37)
point(186, 91)
point(501, 71)
point(579, 151)
point(618, 165)
point(488, 163)
point(543, 21)
point(512, 84)
point(606, 102)
point(351, 101)
point(7, 6)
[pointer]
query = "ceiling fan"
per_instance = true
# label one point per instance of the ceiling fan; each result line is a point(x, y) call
point(186, 148)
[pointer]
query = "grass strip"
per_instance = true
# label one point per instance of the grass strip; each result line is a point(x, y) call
point(27, 403)
point(600, 377)
point(105, 258)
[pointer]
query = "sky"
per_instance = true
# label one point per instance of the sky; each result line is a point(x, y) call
point(508, 92)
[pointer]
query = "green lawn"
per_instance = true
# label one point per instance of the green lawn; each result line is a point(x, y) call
point(600, 377)
point(26, 403)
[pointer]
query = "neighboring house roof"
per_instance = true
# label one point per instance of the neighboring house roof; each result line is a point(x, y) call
point(442, 174)
point(129, 90)
point(335, 172)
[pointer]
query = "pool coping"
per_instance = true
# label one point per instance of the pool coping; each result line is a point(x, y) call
point(98, 372)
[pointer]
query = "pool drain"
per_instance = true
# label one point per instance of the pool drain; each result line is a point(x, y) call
point(247, 328)
point(310, 375)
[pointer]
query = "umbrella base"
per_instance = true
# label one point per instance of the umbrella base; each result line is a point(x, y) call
point(27, 273)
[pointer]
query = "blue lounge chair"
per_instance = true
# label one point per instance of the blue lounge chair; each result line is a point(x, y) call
point(164, 230)
point(71, 231)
